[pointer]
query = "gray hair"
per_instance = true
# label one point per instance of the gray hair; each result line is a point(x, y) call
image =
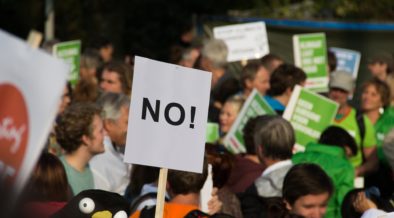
point(111, 104)
point(275, 136)
point(216, 51)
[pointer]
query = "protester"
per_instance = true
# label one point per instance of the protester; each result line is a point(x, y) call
point(110, 173)
point(117, 77)
point(229, 113)
point(330, 153)
point(341, 87)
point(306, 190)
point(274, 138)
point(247, 167)
point(282, 83)
point(80, 133)
point(254, 76)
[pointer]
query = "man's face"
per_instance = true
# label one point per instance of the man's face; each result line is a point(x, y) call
point(338, 95)
point(95, 141)
point(117, 129)
point(377, 69)
point(110, 82)
point(311, 206)
point(262, 81)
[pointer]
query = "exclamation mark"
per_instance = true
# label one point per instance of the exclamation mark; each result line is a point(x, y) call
point(192, 114)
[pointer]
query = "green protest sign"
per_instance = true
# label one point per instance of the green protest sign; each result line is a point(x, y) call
point(310, 114)
point(254, 106)
point(310, 54)
point(70, 52)
point(212, 133)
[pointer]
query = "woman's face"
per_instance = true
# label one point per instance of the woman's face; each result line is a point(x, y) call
point(228, 114)
point(371, 99)
point(310, 206)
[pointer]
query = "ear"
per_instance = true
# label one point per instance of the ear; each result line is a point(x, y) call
point(107, 124)
point(288, 206)
point(85, 140)
point(260, 152)
point(249, 84)
point(289, 91)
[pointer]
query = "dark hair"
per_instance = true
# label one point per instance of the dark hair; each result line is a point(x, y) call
point(182, 182)
point(85, 91)
point(141, 175)
point(75, 122)
point(382, 88)
point(125, 73)
point(101, 42)
point(248, 132)
point(222, 164)
point(284, 77)
point(305, 179)
point(337, 136)
point(249, 72)
point(332, 61)
point(268, 59)
point(275, 136)
point(48, 181)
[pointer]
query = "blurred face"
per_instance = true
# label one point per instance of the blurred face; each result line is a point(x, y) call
point(262, 81)
point(65, 100)
point(228, 114)
point(371, 99)
point(310, 206)
point(110, 82)
point(95, 141)
point(106, 53)
point(117, 130)
point(338, 95)
point(377, 69)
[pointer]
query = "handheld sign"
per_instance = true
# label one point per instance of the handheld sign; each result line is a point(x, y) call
point(168, 116)
point(212, 133)
point(310, 114)
point(254, 106)
point(347, 60)
point(70, 52)
point(244, 41)
point(310, 54)
point(31, 85)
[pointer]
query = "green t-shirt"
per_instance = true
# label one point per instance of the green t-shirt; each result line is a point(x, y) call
point(349, 123)
point(79, 181)
point(383, 126)
point(332, 160)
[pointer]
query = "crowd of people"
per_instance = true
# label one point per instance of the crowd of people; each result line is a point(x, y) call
point(82, 163)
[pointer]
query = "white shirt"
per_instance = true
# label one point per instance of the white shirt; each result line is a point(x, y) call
point(110, 173)
point(276, 166)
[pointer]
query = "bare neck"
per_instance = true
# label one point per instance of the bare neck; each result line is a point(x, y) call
point(283, 99)
point(79, 158)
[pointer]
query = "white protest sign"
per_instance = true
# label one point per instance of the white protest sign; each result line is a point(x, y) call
point(168, 116)
point(31, 85)
point(244, 41)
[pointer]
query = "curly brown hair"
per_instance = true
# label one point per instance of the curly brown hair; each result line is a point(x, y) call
point(75, 122)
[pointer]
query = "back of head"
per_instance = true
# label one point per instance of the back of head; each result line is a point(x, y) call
point(275, 136)
point(305, 179)
point(182, 182)
point(284, 77)
point(216, 51)
point(248, 132)
point(337, 136)
point(111, 104)
point(271, 61)
point(48, 181)
point(124, 72)
point(332, 61)
point(75, 122)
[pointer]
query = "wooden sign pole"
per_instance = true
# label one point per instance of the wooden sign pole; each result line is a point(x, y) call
point(161, 192)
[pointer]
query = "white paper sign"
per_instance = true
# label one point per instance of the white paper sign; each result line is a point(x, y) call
point(31, 85)
point(244, 41)
point(168, 116)
point(347, 60)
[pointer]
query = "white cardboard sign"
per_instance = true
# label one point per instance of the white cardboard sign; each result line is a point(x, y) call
point(244, 41)
point(31, 85)
point(168, 116)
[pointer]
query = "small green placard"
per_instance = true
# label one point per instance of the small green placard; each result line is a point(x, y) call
point(70, 52)
point(310, 54)
point(212, 133)
point(254, 106)
point(310, 114)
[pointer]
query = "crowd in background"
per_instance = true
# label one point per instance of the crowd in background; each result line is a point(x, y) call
point(86, 146)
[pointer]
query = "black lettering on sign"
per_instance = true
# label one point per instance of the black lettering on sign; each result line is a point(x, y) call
point(154, 114)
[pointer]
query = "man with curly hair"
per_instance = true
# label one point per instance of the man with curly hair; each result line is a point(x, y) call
point(80, 133)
